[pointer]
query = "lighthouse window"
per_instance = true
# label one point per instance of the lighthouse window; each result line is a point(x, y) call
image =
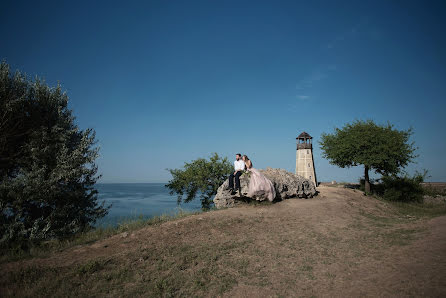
point(308, 151)
point(308, 165)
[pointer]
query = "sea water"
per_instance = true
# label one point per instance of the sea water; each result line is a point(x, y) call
point(133, 200)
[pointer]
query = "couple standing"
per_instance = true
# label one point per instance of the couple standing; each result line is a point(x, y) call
point(259, 185)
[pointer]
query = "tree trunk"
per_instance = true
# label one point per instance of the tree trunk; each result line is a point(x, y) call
point(366, 180)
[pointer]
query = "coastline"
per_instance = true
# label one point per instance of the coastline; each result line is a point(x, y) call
point(132, 201)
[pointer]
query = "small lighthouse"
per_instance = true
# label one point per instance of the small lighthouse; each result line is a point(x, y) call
point(304, 157)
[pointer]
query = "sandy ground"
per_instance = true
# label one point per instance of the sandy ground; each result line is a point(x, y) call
point(338, 244)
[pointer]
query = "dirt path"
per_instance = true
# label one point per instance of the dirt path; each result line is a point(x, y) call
point(338, 244)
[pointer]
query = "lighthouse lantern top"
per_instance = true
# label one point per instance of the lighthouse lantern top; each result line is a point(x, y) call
point(304, 141)
point(304, 135)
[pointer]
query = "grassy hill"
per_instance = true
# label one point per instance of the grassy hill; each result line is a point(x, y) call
point(340, 243)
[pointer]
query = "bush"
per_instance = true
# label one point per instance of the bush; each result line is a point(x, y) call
point(47, 169)
point(402, 189)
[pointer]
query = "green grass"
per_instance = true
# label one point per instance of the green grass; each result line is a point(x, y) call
point(417, 210)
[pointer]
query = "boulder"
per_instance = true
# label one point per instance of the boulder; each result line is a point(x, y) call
point(286, 184)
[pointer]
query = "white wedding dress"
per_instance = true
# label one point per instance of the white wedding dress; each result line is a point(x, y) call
point(259, 185)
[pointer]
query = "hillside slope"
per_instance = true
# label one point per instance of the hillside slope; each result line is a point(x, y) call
point(340, 243)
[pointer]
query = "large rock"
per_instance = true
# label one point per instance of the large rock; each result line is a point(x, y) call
point(287, 185)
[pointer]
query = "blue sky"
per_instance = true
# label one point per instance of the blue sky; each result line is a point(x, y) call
point(165, 82)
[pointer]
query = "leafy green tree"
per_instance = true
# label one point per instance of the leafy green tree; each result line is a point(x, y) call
point(47, 164)
point(200, 176)
point(381, 148)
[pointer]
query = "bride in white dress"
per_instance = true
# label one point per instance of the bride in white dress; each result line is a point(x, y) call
point(259, 185)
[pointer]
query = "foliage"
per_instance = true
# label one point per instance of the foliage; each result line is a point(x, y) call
point(381, 148)
point(47, 169)
point(396, 188)
point(402, 189)
point(200, 176)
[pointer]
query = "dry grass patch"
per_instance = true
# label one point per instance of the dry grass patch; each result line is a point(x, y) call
point(328, 245)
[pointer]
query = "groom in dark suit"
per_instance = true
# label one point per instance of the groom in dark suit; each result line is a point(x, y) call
point(239, 167)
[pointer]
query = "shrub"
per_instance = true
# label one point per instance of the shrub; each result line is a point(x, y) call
point(402, 189)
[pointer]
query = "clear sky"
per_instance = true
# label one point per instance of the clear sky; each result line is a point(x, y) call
point(165, 82)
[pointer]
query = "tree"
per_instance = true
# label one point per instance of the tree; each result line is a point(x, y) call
point(200, 176)
point(381, 148)
point(47, 169)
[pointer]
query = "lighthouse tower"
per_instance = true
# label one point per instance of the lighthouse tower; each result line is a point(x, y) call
point(304, 158)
